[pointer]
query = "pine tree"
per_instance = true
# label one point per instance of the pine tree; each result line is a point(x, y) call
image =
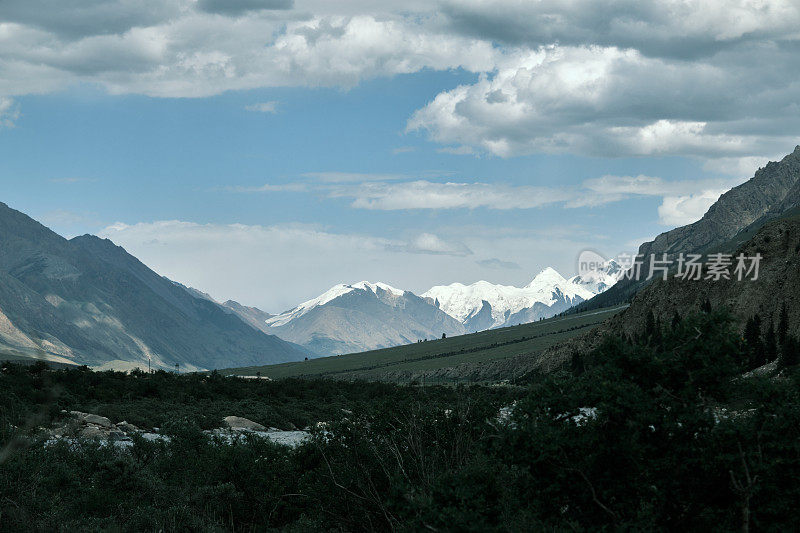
point(676, 321)
point(770, 344)
point(790, 353)
point(650, 325)
point(783, 325)
point(752, 339)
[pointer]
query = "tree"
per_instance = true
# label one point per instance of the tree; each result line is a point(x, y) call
point(770, 344)
point(752, 339)
point(783, 325)
point(676, 320)
point(790, 353)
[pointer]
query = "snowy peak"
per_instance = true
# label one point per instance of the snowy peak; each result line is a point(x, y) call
point(331, 294)
point(362, 316)
point(546, 295)
point(599, 280)
point(548, 277)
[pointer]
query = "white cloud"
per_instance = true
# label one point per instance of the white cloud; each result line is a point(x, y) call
point(682, 210)
point(285, 187)
point(191, 53)
point(707, 79)
point(263, 107)
point(611, 101)
point(276, 267)
point(683, 29)
point(9, 112)
point(428, 243)
point(345, 177)
point(423, 194)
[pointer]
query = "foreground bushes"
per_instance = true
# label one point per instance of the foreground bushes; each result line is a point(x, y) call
point(658, 432)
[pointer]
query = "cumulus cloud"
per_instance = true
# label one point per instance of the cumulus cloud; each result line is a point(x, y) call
point(668, 28)
point(611, 101)
point(82, 18)
point(707, 79)
point(191, 53)
point(682, 210)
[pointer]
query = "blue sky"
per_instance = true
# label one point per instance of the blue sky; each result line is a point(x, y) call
point(291, 149)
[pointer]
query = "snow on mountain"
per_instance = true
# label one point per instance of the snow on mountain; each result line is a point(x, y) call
point(599, 280)
point(331, 294)
point(547, 294)
point(360, 317)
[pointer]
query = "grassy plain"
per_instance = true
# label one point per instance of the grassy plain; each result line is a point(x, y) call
point(484, 346)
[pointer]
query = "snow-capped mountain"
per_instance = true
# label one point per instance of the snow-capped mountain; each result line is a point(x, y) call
point(599, 280)
point(484, 305)
point(360, 317)
point(333, 293)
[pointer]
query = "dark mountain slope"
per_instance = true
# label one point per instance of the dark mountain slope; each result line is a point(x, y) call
point(90, 302)
point(771, 193)
point(778, 285)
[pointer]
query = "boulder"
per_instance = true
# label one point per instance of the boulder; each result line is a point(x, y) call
point(93, 432)
point(98, 420)
point(127, 427)
point(239, 423)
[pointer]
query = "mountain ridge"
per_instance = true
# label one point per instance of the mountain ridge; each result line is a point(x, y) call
point(87, 301)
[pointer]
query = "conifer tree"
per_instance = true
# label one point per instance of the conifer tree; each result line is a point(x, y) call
point(783, 325)
point(770, 344)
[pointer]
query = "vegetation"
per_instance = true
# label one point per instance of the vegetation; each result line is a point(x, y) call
point(664, 431)
point(490, 345)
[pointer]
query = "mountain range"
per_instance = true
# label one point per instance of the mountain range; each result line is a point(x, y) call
point(368, 316)
point(362, 316)
point(87, 301)
point(483, 305)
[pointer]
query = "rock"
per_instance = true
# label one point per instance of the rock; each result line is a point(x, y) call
point(98, 420)
point(127, 427)
point(93, 432)
point(239, 423)
point(116, 435)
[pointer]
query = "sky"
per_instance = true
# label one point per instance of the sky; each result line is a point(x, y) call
point(265, 150)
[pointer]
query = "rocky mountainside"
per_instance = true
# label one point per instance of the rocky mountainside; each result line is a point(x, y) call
point(778, 285)
point(773, 191)
point(87, 301)
point(484, 305)
point(251, 315)
point(360, 317)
